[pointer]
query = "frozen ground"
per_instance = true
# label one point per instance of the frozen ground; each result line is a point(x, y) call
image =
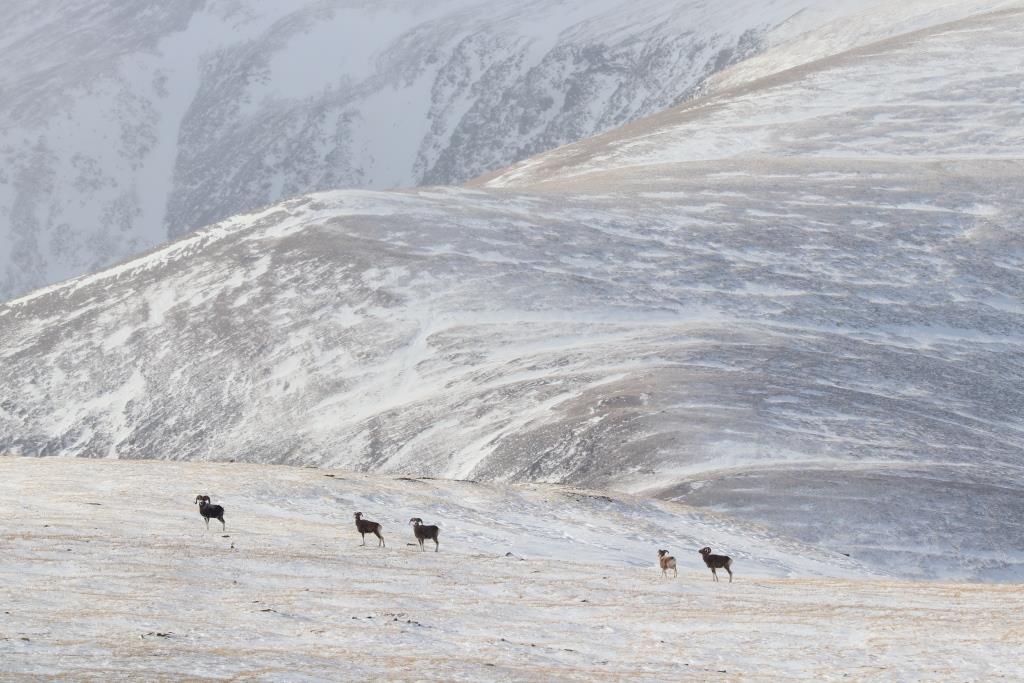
point(107, 573)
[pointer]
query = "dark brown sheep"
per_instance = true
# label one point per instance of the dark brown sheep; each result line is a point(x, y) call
point(424, 532)
point(209, 511)
point(365, 526)
point(717, 562)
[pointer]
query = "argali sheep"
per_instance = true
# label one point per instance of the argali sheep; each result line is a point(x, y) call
point(667, 562)
point(423, 532)
point(717, 562)
point(209, 511)
point(365, 526)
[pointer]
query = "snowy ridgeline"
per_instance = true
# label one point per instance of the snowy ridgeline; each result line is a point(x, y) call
point(125, 122)
point(529, 338)
point(108, 572)
point(947, 92)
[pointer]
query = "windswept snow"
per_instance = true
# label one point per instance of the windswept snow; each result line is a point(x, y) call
point(383, 334)
point(950, 92)
point(531, 583)
point(126, 122)
point(792, 300)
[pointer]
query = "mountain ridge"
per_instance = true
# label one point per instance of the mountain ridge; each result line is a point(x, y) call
point(728, 310)
point(175, 118)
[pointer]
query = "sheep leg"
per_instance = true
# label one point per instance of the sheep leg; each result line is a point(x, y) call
point(422, 549)
point(730, 573)
point(223, 524)
point(436, 545)
point(714, 574)
point(364, 538)
point(381, 544)
point(207, 520)
point(675, 572)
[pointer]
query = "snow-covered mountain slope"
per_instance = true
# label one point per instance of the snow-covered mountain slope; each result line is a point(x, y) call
point(286, 593)
point(948, 92)
point(797, 301)
point(126, 122)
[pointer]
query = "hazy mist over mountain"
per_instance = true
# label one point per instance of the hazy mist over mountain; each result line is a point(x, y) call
point(124, 123)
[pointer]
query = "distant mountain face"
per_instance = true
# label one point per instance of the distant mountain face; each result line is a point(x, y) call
point(126, 122)
point(795, 299)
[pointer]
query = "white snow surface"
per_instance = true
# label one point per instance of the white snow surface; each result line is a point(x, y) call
point(948, 91)
point(127, 122)
point(531, 583)
point(794, 300)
